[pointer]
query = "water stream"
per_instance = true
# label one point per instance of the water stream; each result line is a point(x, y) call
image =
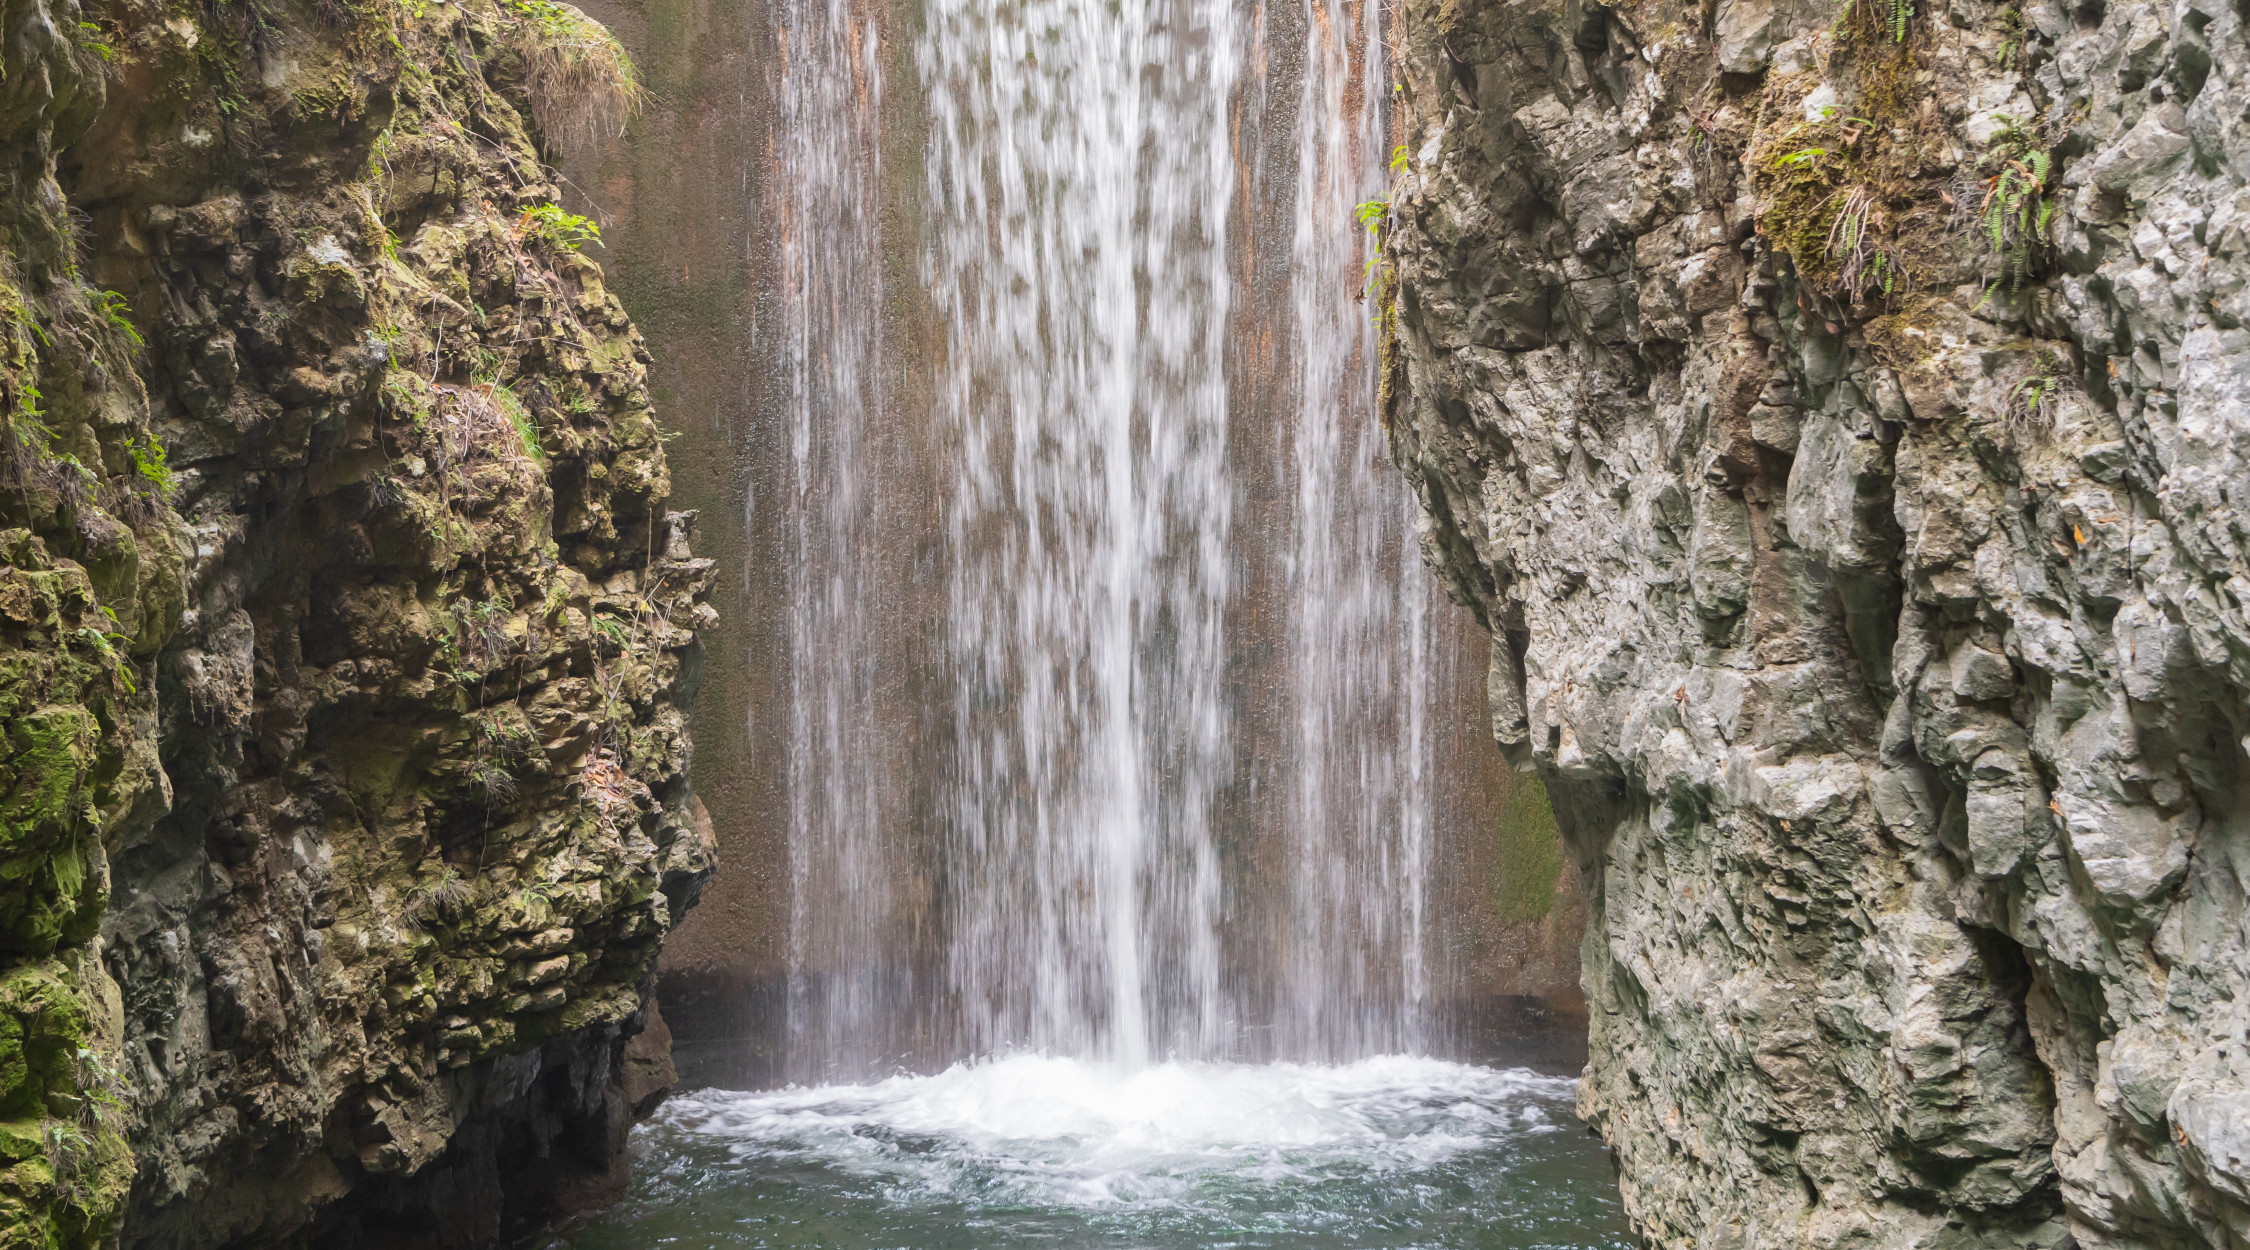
point(1112, 681)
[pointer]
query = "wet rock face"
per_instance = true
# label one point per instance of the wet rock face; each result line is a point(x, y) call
point(1839, 417)
point(345, 638)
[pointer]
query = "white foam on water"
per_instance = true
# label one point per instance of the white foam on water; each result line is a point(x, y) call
point(1040, 1131)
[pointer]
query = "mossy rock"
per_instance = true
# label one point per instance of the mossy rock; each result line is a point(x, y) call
point(1529, 849)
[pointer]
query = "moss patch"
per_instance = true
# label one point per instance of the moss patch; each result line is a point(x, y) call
point(1529, 849)
point(1854, 195)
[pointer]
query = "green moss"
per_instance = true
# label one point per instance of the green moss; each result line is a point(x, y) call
point(1849, 197)
point(1528, 848)
point(60, 1117)
point(47, 894)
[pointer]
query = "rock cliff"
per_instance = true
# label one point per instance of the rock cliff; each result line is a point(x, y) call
point(344, 634)
point(1840, 416)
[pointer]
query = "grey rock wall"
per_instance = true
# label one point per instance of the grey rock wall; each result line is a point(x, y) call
point(1870, 596)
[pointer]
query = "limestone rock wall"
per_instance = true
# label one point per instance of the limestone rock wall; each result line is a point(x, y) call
point(344, 632)
point(1840, 415)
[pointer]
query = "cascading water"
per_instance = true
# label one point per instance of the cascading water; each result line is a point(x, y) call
point(1359, 663)
point(845, 756)
point(1161, 787)
point(1081, 204)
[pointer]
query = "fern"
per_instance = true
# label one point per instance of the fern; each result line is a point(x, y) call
point(1372, 214)
point(112, 306)
point(149, 460)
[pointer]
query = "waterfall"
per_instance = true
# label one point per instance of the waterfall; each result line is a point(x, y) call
point(1110, 662)
point(1358, 663)
point(1078, 174)
point(844, 757)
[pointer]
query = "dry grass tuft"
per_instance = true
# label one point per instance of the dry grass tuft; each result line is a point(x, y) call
point(617, 796)
point(1862, 266)
point(583, 86)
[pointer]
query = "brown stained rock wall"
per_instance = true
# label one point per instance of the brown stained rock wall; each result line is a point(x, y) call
point(1836, 414)
point(696, 203)
point(351, 461)
point(691, 254)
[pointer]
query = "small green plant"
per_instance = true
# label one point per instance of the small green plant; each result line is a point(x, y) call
point(562, 229)
point(1900, 13)
point(439, 896)
point(106, 644)
point(2016, 214)
point(1799, 159)
point(27, 421)
point(151, 462)
point(485, 366)
point(615, 630)
point(501, 745)
point(90, 34)
point(1862, 266)
point(536, 892)
point(1372, 214)
point(103, 1086)
point(2010, 22)
point(498, 784)
point(408, 397)
point(520, 417)
point(112, 307)
point(484, 627)
point(2033, 399)
point(379, 154)
point(1398, 158)
point(2029, 398)
point(1888, 17)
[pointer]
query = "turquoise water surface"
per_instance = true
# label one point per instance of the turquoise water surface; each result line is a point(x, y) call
point(1032, 1151)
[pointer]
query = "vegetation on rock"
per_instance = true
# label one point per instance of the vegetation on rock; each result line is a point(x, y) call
point(325, 789)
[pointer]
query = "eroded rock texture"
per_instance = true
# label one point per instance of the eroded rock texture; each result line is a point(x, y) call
point(344, 636)
point(1841, 417)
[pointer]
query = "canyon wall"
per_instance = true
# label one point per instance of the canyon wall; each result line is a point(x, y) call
point(344, 632)
point(1837, 413)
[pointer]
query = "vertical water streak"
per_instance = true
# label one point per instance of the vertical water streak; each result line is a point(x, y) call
point(1078, 173)
point(841, 791)
point(1358, 638)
